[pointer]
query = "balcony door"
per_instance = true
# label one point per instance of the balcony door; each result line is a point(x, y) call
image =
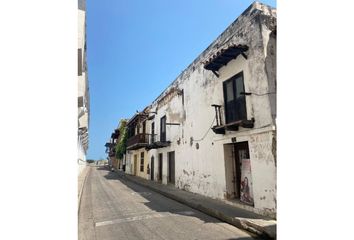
point(144, 127)
point(152, 132)
point(163, 129)
point(235, 103)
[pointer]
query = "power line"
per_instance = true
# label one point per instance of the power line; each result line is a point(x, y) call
point(206, 132)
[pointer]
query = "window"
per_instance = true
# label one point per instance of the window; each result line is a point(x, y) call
point(163, 129)
point(235, 102)
point(142, 162)
point(152, 132)
point(144, 127)
point(79, 64)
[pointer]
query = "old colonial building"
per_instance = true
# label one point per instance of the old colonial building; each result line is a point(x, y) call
point(111, 149)
point(115, 148)
point(213, 130)
point(83, 88)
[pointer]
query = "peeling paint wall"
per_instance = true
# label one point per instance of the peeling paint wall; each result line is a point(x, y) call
point(264, 171)
point(202, 161)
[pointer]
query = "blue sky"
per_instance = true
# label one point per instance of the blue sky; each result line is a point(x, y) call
point(136, 48)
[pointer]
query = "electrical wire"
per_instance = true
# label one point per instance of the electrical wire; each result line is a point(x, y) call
point(206, 132)
point(263, 93)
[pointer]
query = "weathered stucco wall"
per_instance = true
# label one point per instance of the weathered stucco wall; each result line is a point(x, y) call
point(264, 171)
point(202, 163)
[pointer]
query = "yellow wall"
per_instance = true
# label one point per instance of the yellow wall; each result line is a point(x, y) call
point(146, 162)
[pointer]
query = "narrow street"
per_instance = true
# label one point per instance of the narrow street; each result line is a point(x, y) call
point(114, 208)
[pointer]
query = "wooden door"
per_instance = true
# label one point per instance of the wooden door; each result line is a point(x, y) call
point(160, 167)
point(171, 167)
point(235, 102)
point(135, 164)
point(152, 168)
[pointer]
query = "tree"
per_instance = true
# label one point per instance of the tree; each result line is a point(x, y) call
point(121, 146)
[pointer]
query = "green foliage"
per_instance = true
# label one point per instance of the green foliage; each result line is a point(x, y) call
point(122, 143)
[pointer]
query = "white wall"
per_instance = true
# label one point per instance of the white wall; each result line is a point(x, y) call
point(81, 157)
point(203, 170)
point(82, 89)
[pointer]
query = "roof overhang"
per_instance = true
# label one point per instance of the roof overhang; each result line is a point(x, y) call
point(223, 56)
point(138, 117)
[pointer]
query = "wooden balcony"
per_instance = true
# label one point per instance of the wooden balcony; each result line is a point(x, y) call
point(148, 141)
point(158, 142)
point(220, 128)
point(233, 126)
point(139, 141)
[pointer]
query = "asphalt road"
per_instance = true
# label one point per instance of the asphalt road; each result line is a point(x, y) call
point(114, 208)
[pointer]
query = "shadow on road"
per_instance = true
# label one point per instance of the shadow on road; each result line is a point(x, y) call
point(105, 167)
point(154, 203)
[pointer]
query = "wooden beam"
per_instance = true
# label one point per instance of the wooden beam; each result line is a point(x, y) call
point(173, 124)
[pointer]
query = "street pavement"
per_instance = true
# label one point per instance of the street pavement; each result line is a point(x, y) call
point(114, 208)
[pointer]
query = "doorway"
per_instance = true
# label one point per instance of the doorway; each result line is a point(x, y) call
point(135, 164)
point(159, 177)
point(152, 169)
point(171, 167)
point(236, 154)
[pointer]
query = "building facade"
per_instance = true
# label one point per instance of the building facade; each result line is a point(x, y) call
point(213, 130)
point(83, 88)
point(111, 149)
point(115, 148)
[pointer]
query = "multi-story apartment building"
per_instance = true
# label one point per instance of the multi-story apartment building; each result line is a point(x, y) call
point(83, 88)
point(213, 130)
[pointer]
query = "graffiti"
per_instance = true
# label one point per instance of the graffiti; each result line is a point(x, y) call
point(246, 184)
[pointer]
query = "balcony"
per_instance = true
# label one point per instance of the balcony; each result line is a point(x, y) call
point(139, 141)
point(112, 153)
point(220, 128)
point(145, 140)
point(158, 142)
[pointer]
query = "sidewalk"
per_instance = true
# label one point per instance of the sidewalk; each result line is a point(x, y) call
point(243, 219)
point(81, 182)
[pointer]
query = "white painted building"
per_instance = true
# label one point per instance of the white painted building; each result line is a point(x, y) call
point(83, 88)
point(213, 130)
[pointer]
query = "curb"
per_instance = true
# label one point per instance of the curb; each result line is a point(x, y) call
point(82, 189)
point(237, 222)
